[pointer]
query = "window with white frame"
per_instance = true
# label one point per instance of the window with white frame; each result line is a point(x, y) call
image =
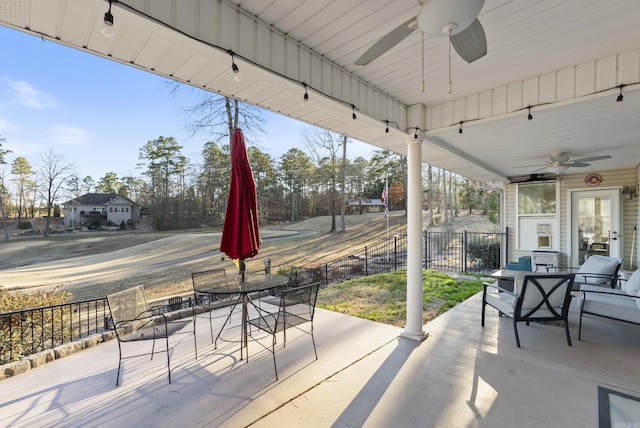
point(537, 198)
point(537, 215)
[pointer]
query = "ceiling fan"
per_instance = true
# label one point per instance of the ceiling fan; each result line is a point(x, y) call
point(559, 162)
point(456, 19)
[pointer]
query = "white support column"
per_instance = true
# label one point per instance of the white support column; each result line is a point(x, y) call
point(413, 329)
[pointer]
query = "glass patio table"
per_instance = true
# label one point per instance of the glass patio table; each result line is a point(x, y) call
point(256, 284)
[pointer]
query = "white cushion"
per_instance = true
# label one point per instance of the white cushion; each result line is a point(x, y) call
point(518, 281)
point(601, 265)
point(611, 303)
point(632, 285)
point(533, 297)
point(504, 302)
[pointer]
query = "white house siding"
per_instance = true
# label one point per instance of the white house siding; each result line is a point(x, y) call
point(116, 213)
point(616, 178)
point(509, 211)
point(72, 215)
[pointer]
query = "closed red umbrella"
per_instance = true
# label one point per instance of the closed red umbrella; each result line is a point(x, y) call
point(240, 234)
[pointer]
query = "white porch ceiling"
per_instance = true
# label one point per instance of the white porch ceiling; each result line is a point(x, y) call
point(566, 58)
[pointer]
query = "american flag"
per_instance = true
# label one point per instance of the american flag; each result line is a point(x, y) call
point(384, 200)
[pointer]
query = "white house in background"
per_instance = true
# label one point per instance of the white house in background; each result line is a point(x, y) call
point(108, 208)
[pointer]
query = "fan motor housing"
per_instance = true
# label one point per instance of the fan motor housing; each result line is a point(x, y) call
point(439, 18)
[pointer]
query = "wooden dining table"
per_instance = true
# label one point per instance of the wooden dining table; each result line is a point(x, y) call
point(244, 290)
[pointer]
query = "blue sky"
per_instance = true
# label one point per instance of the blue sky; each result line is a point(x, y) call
point(98, 113)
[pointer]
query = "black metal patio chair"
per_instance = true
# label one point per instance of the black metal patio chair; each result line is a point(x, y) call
point(534, 298)
point(295, 310)
point(133, 321)
point(297, 276)
point(205, 299)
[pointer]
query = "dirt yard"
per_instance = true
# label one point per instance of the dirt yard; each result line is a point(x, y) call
point(93, 264)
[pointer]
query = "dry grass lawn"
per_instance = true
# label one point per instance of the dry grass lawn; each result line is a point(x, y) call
point(93, 264)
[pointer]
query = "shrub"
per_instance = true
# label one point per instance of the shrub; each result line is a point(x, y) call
point(123, 225)
point(12, 340)
point(357, 268)
point(487, 253)
point(24, 225)
point(18, 301)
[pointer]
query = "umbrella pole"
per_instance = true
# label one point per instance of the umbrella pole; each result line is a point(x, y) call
point(242, 269)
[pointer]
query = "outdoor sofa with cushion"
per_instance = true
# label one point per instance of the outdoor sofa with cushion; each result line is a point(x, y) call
point(596, 270)
point(621, 304)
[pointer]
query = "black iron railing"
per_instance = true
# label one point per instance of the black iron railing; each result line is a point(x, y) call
point(463, 251)
point(28, 331)
point(446, 251)
point(384, 256)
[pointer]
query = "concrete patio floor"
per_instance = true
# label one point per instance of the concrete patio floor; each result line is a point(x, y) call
point(463, 375)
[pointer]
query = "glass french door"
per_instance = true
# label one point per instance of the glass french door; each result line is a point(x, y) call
point(595, 224)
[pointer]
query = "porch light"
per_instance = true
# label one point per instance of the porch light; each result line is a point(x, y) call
point(627, 193)
point(353, 108)
point(237, 76)
point(529, 116)
point(460, 129)
point(107, 26)
point(305, 97)
point(386, 131)
point(620, 98)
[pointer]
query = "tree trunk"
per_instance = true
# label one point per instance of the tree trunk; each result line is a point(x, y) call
point(438, 194)
point(4, 220)
point(343, 226)
point(430, 196)
point(444, 196)
point(403, 166)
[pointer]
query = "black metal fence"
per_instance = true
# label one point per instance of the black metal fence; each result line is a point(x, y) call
point(463, 251)
point(446, 251)
point(28, 331)
point(385, 256)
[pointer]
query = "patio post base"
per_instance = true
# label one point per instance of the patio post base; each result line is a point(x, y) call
point(419, 336)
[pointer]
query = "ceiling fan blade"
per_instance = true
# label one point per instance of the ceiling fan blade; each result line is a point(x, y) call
point(577, 164)
point(589, 159)
point(388, 41)
point(470, 43)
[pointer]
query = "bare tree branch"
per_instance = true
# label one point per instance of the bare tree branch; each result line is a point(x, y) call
point(54, 174)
